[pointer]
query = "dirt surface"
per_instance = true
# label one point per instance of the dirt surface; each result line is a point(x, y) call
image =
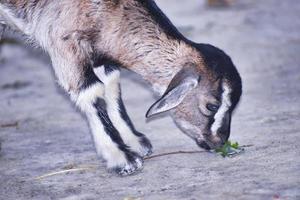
point(42, 132)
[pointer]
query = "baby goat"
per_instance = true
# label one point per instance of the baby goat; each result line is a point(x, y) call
point(90, 40)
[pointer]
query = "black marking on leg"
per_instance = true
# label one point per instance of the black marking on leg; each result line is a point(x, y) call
point(104, 60)
point(101, 107)
point(144, 141)
point(125, 116)
point(113, 133)
point(90, 78)
point(110, 68)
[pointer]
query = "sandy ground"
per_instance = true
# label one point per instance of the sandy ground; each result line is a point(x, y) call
point(263, 38)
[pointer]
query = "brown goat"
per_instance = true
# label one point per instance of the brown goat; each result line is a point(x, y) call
point(90, 40)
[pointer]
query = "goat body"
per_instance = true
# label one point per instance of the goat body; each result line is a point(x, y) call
point(89, 40)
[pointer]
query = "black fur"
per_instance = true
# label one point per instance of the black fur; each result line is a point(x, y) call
point(126, 118)
point(142, 138)
point(90, 78)
point(104, 60)
point(220, 63)
point(144, 141)
point(110, 68)
point(113, 133)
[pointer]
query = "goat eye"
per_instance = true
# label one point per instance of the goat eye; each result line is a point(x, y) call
point(212, 107)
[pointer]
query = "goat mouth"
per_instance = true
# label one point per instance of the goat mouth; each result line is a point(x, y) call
point(203, 145)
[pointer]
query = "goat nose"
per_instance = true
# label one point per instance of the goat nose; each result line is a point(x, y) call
point(217, 141)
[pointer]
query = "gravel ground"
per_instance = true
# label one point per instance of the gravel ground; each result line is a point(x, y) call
point(42, 132)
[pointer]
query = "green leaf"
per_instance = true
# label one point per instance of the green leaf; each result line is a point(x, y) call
point(228, 149)
point(235, 145)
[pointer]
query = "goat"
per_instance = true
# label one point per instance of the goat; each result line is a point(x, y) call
point(90, 40)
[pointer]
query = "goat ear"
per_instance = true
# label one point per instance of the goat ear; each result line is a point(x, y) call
point(183, 82)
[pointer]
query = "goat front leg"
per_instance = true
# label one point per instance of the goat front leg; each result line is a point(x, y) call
point(88, 92)
point(138, 142)
point(107, 139)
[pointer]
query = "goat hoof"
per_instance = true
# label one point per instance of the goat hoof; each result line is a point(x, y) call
point(130, 167)
point(146, 147)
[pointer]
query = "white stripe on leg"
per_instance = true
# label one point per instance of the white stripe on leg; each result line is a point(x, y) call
point(112, 95)
point(103, 143)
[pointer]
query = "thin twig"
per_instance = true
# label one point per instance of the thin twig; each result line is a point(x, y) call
point(185, 152)
point(173, 153)
point(64, 171)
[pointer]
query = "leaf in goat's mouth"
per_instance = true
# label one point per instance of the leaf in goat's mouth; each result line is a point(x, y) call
point(229, 149)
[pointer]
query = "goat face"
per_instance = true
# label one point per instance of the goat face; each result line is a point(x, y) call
point(202, 97)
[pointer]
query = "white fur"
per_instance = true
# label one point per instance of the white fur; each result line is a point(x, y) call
point(225, 105)
point(111, 82)
point(87, 97)
point(40, 29)
point(11, 20)
point(104, 144)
